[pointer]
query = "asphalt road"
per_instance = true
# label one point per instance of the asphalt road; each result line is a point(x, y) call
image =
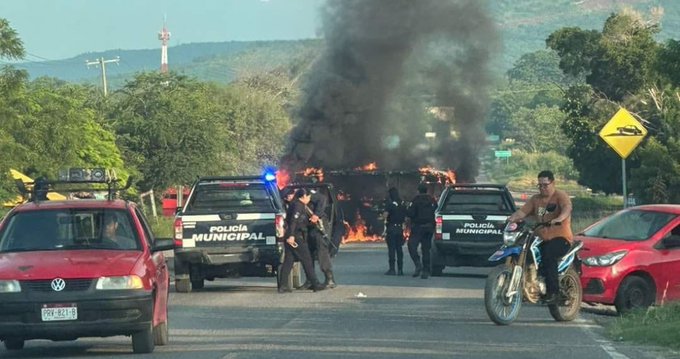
point(369, 315)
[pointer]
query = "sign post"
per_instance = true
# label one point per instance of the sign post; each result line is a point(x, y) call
point(623, 133)
point(503, 154)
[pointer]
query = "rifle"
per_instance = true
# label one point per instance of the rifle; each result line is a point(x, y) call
point(319, 225)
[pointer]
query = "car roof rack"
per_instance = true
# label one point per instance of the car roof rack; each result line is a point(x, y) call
point(74, 180)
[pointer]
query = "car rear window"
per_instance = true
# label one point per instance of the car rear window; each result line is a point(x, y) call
point(631, 225)
point(459, 201)
point(247, 197)
point(68, 229)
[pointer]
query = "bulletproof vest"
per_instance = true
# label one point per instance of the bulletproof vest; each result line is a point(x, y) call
point(422, 210)
point(396, 212)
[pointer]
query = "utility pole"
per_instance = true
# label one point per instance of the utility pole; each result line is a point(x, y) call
point(102, 63)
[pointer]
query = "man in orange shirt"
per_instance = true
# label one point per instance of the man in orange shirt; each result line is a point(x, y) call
point(554, 206)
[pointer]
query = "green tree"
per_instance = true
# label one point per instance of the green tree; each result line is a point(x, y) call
point(11, 83)
point(255, 125)
point(617, 61)
point(538, 130)
point(657, 180)
point(168, 128)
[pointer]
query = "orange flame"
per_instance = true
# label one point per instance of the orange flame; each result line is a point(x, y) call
point(369, 167)
point(282, 178)
point(313, 172)
point(358, 233)
point(445, 177)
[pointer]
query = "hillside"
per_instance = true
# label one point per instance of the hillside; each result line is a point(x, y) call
point(524, 26)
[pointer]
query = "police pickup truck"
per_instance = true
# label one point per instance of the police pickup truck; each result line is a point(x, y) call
point(228, 227)
point(469, 224)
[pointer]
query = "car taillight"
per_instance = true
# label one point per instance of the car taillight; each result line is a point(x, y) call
point(178, 233)
point(438, 227)
point(279, 226)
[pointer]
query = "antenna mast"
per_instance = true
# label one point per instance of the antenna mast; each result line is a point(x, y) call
point(164, 36)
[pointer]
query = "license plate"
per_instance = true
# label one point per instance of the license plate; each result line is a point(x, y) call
point(54, 312)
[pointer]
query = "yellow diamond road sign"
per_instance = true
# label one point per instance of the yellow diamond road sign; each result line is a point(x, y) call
point(623, 133)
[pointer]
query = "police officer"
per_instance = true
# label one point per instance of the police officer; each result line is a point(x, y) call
point(296, 246)
point(421, 214)
point(287, 195)
point(395, 214)
point(321, 241)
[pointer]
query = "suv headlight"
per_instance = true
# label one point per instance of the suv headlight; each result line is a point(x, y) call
point(10, 286)
point(605, 260)
point(509, 238)
point(123, 282)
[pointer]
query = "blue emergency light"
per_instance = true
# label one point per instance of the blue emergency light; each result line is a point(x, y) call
point(270, 175)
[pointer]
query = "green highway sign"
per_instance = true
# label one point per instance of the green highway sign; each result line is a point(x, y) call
point(502, 154)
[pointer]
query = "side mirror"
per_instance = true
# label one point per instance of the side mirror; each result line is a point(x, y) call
point(672, 241)
point(163, 244)
point(178, 210)
point(551, 207)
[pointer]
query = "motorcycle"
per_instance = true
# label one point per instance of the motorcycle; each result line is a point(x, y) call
point(518, 279)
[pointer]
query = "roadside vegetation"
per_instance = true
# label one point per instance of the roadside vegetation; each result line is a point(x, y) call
point(656, 326)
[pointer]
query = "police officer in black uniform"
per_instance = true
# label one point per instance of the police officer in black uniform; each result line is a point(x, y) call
point(395, 215)
point(421, 214)
point(321, 241)
point(296, 246)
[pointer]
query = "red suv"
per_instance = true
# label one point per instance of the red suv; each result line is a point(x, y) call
point(631, 259)
point(82, 268)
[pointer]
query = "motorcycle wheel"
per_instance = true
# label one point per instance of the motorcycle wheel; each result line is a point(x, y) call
point(569, 301)
point(501, 309)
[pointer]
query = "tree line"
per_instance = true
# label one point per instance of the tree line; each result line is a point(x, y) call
point(555, 101)
point(162, 129)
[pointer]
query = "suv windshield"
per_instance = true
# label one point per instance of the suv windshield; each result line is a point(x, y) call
point(216, 196)
point(68, 229)
point(631, 225)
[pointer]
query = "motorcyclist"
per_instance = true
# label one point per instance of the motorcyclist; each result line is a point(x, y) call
point(553, 206)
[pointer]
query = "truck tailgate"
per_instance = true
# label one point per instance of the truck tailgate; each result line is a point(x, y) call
point(228, 230)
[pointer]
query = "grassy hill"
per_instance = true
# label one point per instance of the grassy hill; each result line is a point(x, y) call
point(524, 26)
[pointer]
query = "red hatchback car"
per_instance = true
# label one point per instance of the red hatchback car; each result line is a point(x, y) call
point(82, 268)
point(631, 259)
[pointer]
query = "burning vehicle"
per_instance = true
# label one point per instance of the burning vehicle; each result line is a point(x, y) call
point(360, 193)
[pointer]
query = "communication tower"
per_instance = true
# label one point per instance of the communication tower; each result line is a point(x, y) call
point(164, 36)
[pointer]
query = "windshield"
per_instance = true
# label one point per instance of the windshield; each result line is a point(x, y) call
point(68, 229)
point(631, 225)
point(478, 201)
point(247, 197)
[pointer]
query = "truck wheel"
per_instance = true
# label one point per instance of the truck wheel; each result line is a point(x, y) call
point(197, 283)
point(183, 285)
point(296, 276)
point(14, 344)
point(437, 270)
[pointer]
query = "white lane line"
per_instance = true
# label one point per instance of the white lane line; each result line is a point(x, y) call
point(606, 345)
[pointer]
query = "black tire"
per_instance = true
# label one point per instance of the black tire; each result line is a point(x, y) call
point(183, 285)
point(14, 344)
point(197, 283)
point(294, 279)
point(160, 332)
point(500, 309)
point(143, 342)
point(569, 300)
point(437, 271)
point(634, 293)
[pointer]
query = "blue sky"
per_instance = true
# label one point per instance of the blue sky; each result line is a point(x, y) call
point(58, 29)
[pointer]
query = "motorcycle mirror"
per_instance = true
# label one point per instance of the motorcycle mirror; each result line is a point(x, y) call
point(551, 207)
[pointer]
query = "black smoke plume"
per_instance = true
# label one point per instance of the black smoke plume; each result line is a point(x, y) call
point(391, 71)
